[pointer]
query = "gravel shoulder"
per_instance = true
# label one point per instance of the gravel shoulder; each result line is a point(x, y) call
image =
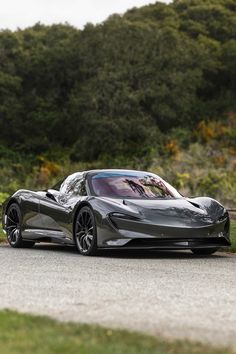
point(172, 294)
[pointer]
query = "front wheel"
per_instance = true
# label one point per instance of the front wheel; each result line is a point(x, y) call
point(13, 228)
point(86, 232)
point(204, 252)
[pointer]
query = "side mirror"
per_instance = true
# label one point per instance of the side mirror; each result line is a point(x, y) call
point(52, 194)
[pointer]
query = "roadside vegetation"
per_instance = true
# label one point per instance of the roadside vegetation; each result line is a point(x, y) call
point(233, 236)
point(28, 334)
point(2, 236)
point(117, 95)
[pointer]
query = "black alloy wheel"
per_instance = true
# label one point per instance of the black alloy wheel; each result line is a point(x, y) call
point(86, 232)
point(13, 228)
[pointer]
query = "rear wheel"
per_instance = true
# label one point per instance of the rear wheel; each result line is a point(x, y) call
point(13, 228)
point(86, 232)
point(204, 252)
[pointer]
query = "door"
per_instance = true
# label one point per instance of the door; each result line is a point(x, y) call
point(32, 222)
point(56, 209)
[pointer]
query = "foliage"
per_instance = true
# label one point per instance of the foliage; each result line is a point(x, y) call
point(233, 236)
point(154, 88)
point(110, 88)
point(3, 197)
point(202, 162)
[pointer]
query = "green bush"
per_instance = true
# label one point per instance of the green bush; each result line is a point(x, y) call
point(3, 197)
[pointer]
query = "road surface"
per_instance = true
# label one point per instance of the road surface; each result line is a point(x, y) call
point(172, 294)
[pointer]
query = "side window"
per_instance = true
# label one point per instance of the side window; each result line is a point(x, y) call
point(74, 185)
point(80, 188)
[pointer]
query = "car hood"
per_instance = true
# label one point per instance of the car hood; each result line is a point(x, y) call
point(182, 211)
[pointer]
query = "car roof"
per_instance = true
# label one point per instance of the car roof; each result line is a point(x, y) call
point(89, 172)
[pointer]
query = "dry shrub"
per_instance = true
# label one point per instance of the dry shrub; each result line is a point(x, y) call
point(47, 170)
point(172, 148)
point(207, 131)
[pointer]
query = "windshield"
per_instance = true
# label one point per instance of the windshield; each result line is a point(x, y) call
point(131, 185)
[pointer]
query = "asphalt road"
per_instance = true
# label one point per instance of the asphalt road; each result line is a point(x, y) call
point(171, 294)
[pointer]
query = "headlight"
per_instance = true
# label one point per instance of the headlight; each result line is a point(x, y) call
point(223, 217)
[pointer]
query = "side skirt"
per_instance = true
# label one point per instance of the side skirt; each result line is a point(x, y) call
point(46, 236)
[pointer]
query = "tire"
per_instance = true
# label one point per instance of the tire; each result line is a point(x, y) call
point(85, 232)
point(13, 228)
point(204, 252)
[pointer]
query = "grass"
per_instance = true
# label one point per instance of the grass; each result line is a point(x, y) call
point(29, 334)
point(233, 236)
point(2, 235)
